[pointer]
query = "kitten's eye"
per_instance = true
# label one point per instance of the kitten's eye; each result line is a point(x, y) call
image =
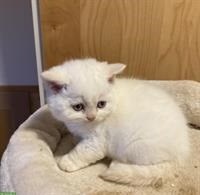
point(101, 104)
point(78, 107)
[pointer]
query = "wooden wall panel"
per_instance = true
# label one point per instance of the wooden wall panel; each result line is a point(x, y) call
point(157, 39)
point(123, 30)
point(14, 109)
point(16, 104)
point(60, 27)
point(5, 126)
point(179, 43)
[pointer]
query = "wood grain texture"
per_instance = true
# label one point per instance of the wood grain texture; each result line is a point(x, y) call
point(60, 30)
point(156, 39)
point(179, 43)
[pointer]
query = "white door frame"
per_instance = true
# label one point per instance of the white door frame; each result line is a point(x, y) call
point(38, 48)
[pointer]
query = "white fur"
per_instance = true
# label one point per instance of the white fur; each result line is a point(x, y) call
point(141, 125)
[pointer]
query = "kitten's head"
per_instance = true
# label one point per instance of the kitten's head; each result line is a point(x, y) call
point(81, 90)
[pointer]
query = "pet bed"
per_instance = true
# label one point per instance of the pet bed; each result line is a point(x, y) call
point(29, 167)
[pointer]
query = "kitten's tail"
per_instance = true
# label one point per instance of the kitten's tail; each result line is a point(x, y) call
point(138, 175)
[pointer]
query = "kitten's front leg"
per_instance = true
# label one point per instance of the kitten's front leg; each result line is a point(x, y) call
point(86, 152)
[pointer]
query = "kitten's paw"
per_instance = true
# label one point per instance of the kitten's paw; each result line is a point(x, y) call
point(66, 164)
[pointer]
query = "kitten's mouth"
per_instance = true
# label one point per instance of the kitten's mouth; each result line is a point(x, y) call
point(91, 119)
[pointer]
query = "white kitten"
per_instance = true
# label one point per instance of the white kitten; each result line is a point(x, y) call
point(137, 125)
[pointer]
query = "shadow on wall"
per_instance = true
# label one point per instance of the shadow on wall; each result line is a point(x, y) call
point(17, 52)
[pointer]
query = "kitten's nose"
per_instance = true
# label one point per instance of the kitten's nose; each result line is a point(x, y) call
point(91, 118)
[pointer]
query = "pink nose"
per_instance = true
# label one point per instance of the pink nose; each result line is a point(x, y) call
point(90, 118)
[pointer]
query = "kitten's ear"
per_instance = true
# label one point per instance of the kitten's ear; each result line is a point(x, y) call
point(54, 79)
point(115, 69)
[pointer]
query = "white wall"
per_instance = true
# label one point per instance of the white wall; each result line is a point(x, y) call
point(17, 52)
